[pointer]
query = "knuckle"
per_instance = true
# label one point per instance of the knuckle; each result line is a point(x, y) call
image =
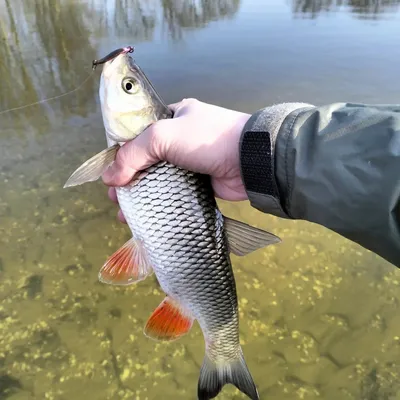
point(189, 101)
point(155, 138)
point(124, 154)
point(120, 156)
point(183, 105)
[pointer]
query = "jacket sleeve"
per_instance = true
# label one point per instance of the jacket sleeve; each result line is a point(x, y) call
point(337, 165)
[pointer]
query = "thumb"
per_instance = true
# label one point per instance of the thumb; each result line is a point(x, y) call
point(134, 156)
point(119, 173)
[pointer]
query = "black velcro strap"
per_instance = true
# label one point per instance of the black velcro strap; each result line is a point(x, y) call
point(257, 163)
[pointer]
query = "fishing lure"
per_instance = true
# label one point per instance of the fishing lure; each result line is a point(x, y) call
point(112, 55)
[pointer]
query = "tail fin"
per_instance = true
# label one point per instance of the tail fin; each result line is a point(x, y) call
point(213, 377)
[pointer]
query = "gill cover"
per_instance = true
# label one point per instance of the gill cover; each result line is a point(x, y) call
point(128, 100)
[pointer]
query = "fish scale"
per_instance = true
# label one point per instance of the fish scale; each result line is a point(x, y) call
point(206, 267)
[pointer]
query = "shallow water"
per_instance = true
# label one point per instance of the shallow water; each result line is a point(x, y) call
point(319, 314)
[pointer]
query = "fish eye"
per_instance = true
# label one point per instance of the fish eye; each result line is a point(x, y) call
point(130, 85)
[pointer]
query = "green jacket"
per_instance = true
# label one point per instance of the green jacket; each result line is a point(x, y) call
point(337, 165)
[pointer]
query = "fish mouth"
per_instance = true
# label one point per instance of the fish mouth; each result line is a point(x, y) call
point(113, 55)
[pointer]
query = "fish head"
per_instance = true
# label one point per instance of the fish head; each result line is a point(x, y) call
point(129, 102)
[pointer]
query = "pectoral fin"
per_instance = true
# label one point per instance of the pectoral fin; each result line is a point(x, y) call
point(169, 321)
point(92, 169)
point(127, 265)
point(244, 239)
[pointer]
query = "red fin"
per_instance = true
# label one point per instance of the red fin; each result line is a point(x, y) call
point(168, 322)
point(127, 265)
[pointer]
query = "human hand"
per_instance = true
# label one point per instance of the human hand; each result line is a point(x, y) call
point(201, 138)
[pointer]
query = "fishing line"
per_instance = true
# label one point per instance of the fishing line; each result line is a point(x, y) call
point(50, 98)
point(95, 63)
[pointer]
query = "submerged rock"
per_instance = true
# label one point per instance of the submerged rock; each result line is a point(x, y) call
point(8, 385)
point(34, 285)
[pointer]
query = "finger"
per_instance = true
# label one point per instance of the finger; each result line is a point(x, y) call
point(175, 106)
point(136, 155)
point(112, 194)
point(121, 217)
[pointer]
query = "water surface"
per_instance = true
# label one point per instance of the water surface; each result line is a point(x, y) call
point(319, 314)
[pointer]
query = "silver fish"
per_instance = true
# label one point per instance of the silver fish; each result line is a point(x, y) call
point(178, 233)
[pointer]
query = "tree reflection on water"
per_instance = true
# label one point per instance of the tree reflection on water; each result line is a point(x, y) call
point(179, 14)
point(47, 45)
point(362, 9)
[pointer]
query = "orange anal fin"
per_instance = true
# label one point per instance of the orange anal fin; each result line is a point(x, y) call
point(127, 265)
point(169, 321)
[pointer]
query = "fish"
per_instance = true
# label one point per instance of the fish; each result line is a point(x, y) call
point(178, 233)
